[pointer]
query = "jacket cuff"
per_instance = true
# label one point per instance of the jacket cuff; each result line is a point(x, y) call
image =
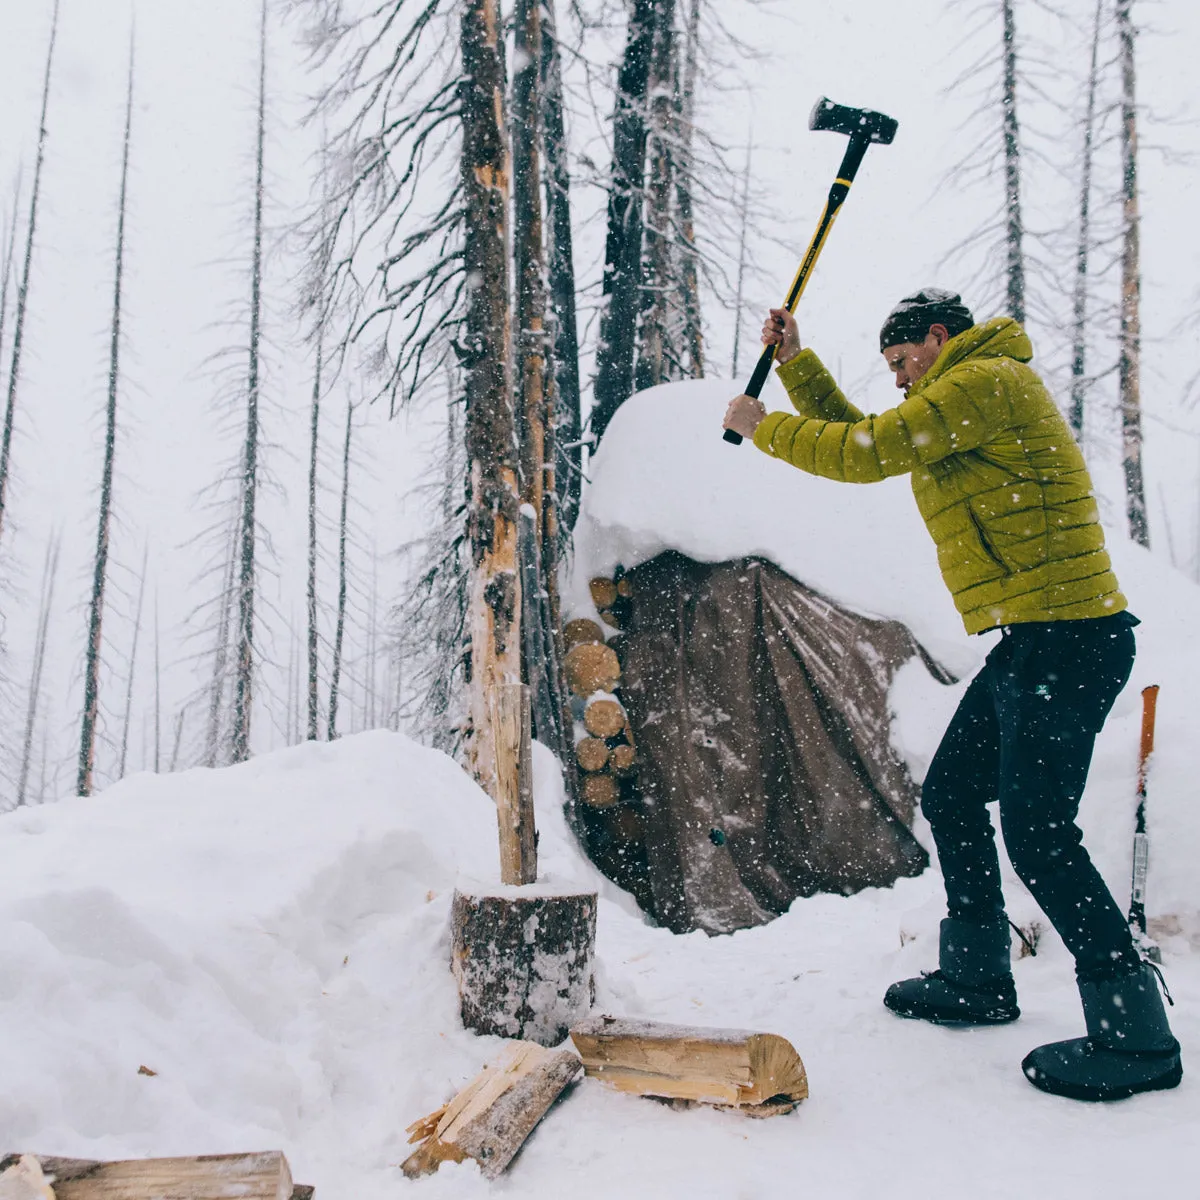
point(765, 433)
point(797, 373)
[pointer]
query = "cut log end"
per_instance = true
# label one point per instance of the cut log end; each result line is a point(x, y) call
point(592, 754)
point(600, 791)
point(604, 718)
point(604, 592)
point(592, 667)
point(581, 632)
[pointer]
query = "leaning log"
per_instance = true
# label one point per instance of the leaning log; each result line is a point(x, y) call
point(523, 959)
point(490, 1119)
point(760, 1073)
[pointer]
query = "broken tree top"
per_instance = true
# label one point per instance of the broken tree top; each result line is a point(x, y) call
point(733, 1067)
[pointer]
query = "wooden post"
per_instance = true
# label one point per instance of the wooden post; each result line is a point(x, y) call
point(514, 783)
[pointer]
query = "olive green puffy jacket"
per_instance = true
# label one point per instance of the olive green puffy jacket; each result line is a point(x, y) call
point(995, 471)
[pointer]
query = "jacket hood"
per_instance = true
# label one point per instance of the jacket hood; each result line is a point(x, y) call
point(1001, 337)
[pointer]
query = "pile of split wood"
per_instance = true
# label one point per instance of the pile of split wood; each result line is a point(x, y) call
point(264, 1176)
point(758, 1074)
point(605, 751)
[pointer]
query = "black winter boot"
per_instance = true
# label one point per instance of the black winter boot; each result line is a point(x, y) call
point(1128, 1049)
point(973, 985)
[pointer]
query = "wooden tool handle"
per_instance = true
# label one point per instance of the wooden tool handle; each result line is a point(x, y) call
point(1149, 709)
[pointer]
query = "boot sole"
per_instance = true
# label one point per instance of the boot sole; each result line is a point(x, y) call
point(936, 1018)
point(1058, 1087)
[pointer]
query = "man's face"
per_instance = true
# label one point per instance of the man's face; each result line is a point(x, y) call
point(909, 361)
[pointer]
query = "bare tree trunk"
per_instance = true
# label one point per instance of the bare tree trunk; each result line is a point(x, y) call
point(335, 673)
point(1014, 222)
point(1082, 250)
point(243, 702)
point(623, 252)
point(14, 370)
point(741, 272)
point(157, 693)
point(1131, 290)
point(220, 658)
point(49, 575)
point(564, 342)
point(689, 265)
point(91, 671)
point(314, 443)
point(179, 717)
point(137, 636)
point(653, 365)
point(9, 251)
point(494, 599)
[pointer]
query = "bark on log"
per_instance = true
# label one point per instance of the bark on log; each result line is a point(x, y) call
point(514, 777)
point(604, 592)
point(600, 791)
point(604, 718)
point(581, 631)
point(524, 963)
point(757, 1072)
point(490, 1119)
point(263, 1176)
point(592, 754)
point(591, 668)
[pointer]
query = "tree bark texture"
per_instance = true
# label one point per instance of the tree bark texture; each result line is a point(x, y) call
point(311, 590)
point(653, 357)
point(1131, 289)
point(1083, 249)
point(623, 250)
point(524, 964)
point(1013, 220)
point(339, 632)
point(14, 370)
point(91, 670)
point(49, 576)
point(514, 774)
point(564, 333)
point(243, 700)
point(689, 263)
point(493, 500)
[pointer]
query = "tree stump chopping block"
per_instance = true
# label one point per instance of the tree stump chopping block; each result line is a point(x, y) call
point(523, 960)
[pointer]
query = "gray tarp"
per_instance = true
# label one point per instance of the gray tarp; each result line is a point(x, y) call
point(760, 711)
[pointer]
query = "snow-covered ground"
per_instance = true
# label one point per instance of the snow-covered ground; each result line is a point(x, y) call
point(271, 939)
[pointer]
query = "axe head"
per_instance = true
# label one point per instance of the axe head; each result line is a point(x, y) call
point(854, 122)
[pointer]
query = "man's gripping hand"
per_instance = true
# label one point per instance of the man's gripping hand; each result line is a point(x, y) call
point(744, 415)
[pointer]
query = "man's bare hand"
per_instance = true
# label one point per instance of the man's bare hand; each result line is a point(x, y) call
point(744, 415)
point(780, 330)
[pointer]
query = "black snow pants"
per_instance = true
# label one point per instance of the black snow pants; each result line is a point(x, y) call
point(1023, 736)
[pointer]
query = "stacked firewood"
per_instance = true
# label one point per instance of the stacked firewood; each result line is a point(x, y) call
point(605, 752)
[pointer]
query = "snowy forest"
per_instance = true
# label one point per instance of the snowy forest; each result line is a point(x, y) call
point(294, 306)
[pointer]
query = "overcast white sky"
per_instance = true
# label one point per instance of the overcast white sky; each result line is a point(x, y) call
point(188, 250)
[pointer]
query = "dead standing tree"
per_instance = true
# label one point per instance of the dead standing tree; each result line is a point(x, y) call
point(494, 599)
point(14, 371)
point(247, 534)
point(1131, 289)
point(91, 673)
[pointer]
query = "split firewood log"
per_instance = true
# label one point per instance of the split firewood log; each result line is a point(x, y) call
point(604, 592)
point(24, 1180)
point(263, 1176)
point(592, 667)
point(592, 754)
point(492, 1116)
point(579, 632)
point(599, 791)
point(623, 760)
point(604, 717)
point(759, 1073)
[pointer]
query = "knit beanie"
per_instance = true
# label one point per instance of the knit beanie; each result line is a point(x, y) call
point(911, 319)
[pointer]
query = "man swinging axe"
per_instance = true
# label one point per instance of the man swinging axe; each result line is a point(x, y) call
point(1006, 496)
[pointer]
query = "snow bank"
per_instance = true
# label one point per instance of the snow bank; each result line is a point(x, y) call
point(272, 940)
